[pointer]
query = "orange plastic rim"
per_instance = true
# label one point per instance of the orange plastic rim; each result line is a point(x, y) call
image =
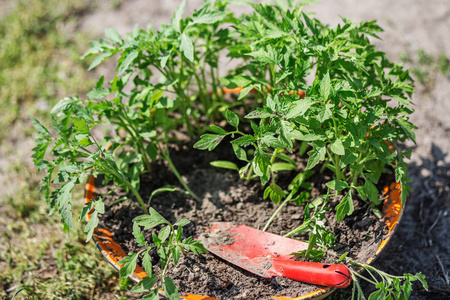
point(111, 250)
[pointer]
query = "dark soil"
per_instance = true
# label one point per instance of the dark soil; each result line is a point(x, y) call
point(225, 197)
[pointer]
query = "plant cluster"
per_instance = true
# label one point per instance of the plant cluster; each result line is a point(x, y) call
point(304, 87)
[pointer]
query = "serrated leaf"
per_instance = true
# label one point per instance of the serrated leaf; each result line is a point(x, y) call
point(150, 221)
point(176, 253)
point(128, 265)
point(337, 185)
point(113, 35)
point(316, 155)
point(208, 17)
point(83, 140)
point(178, 15)
point(371, 191)
point(298, 108)
point(263, 56)
point(407, 128)
point(239, 152)
point(337, 147)
point(274, 192)
point(259, 113)
point(187, 47)
point(232, 118)
point(81, 125)
point(138, 235)
point(164, 233)
point(147, 263)
point(324, 113)
point(125, 64)
point(182, 222)
point(224, 165)
point(209, 141)
point(64, 105)
point(91, 225)
point(145, 284)
point(39, 127)
point(99, 59)
point(325, 87)
point(245, 91)
point(170, 290)
point(345, 207)
point(244, 141)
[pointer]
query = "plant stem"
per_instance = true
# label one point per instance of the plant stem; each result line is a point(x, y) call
point(288, 198)
point(177, 174)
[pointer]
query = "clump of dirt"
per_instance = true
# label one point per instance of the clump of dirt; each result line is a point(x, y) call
point(227, 198)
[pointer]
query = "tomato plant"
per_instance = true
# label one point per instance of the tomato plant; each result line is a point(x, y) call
point(305, 88)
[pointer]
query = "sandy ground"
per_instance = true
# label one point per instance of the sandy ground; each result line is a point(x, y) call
point(421, 242)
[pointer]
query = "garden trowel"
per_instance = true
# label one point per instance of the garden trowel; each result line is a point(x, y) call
point(269, 255)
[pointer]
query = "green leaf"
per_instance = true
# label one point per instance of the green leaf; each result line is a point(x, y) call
point(224, 165)
point(378, 295)
point(208, 17)
point(407, 128)
point(263, 56)
point(150, 221)
point(209, 141)
point(244, 141)
point(178, 15)
point(345, 207)
point(81, 125)
point(245, 91)
point(99, 59)
point(298, 108)
point(147, 263)
point(275, 192)
point(325, 87)
point(39, 127)
point(371, 191)
point(324, 113)
point(83, 140)
point(316, 155)
point(128, 265)
point(113, 35)
point(282, 166)
point(170, 290)
point(146, 284)
point(91, 225)
point(64, 105)
point(124, 65)
point(337, 147)
point(239, 152)
point(187, 47)
point(337, 185)
point(217, 129)
point(164, 233)
point(138, 235)
point(349, 157)
point(259, 113)
point(232, 118)
point(182, 222)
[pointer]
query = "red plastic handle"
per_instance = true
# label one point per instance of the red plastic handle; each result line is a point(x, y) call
point(315, 273)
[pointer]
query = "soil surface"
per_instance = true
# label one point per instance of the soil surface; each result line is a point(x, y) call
point(227, 198)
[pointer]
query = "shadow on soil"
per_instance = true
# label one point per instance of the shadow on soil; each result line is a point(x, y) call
point(421, 243)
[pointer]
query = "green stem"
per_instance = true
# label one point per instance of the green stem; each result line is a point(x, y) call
point(277, 211)
point(177, 174)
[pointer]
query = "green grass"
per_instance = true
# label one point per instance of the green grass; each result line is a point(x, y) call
point(39, 64)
